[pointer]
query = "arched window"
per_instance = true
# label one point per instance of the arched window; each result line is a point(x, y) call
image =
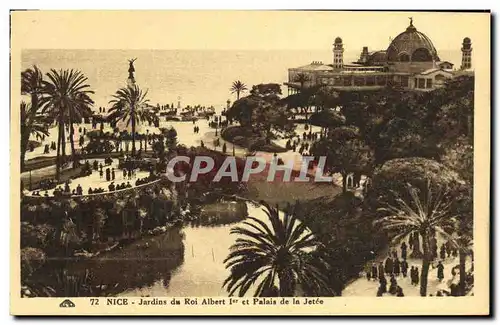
point(403, 57)
point(421, 55)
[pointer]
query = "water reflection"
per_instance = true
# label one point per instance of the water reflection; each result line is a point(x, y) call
point(180, 262)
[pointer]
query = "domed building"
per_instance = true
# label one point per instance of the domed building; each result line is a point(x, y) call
point(410, 62)
point(412, 46)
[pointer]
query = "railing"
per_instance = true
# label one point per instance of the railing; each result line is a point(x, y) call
point(97, 194)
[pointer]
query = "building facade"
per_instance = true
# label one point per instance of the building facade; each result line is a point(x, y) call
point(410, 62)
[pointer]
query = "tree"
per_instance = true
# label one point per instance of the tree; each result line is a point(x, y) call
point(345, 153)
point(32, 85)
point(262, 112)
point(238, 87)
point(128, 105)
point(301, 78)
point(171, 138)
point(280, 257)
point(66, 99)
point(425, 214)
point(32, 124)
point(327, 119)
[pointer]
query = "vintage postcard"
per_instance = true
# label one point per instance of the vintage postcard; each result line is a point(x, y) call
point(250, 163)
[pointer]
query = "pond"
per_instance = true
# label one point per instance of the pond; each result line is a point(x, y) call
point(186, 261)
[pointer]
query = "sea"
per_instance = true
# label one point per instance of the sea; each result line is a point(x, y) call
point(188, 77)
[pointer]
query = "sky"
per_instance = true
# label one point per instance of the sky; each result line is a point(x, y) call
point(243, 30)
point(204, 78)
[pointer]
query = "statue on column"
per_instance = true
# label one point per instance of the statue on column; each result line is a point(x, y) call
point(131, 69)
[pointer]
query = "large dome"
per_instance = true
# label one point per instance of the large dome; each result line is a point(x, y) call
point(411, 46)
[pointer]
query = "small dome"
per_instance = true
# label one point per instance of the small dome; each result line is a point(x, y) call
point(338, 40)
point(467, 40)
point(411, 45)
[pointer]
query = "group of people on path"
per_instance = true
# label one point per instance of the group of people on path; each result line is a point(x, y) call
point(47, 148)
point(393, 267)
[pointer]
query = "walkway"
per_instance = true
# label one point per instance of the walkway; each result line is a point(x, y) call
point(364, 287)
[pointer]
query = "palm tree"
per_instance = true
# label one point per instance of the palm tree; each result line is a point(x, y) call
point(128, 105)
point(424, 217)
point(302, 78)
point(238, 87)
point(31, 84)
point(280, 255)
point(66, 100)
point(32, 124)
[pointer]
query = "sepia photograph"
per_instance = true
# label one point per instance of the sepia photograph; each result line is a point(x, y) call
point(339, 163)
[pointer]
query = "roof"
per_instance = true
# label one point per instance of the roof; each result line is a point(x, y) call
point(315, 65)
point(441, 62)
point(414, 44)
point(377, 56)
point(429, 71)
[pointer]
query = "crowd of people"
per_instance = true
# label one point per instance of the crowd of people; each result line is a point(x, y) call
point(396, 266)
point(304, 142)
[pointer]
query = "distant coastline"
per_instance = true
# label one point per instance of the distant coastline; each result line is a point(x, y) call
point(196, 76)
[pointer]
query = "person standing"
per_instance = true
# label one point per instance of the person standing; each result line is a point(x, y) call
point(404, 268)
point(440, 271)
point(113, 174)
point(100, 173)
point(417, 277)
point(397, 267)
point(393, 286)
point(448, 248)
point(404, 251)
point(442, 252)
point(434, 247)
point(383, 284)
point(374, 271)
point(388, 265)
point(108, 174)
point(412, 275)
point(380, 269)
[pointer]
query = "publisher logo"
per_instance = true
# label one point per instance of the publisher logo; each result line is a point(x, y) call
point(67, 303)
